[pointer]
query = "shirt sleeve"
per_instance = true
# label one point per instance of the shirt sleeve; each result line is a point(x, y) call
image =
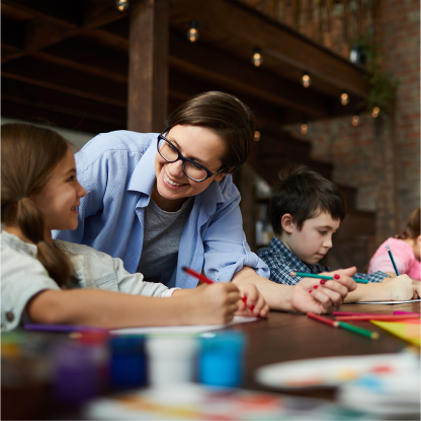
point(226, 250)
point(22, 277)
point(373, 277)
point(134, 283)
point(279, 271)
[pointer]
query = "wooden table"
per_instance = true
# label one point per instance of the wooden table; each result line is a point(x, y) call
point(288, 336)
point(281, 337)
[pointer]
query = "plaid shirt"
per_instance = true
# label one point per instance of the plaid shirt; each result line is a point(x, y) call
point(282, 262)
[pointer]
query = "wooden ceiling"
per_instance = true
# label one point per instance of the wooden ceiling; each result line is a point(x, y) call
point(67, 62)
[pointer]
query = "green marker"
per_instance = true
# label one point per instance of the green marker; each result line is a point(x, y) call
point(359, 330)
point(312, 275)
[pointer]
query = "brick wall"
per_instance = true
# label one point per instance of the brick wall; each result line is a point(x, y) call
point(353, 150)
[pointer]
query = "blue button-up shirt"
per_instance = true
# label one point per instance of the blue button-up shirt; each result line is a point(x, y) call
point(118, 172)
point(282, 262)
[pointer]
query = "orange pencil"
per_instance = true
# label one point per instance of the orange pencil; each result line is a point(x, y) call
point(323, 319)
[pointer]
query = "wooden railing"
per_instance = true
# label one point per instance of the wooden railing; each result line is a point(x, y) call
point(336, 24)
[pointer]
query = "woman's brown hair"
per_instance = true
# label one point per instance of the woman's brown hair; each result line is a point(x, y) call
point(29, 155)
point(412, 229)
point(226, 116)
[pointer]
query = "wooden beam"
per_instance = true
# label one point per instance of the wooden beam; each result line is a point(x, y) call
point(43, 98)
point(249, 28)
point(212, 65)
point(148, 66)
point(58, 78)
point(45, 30)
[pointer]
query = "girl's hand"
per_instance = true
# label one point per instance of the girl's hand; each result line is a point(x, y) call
point(323, 296)
point(416, 289)
point(252, 302)
point(401, 288)
point(211, 304)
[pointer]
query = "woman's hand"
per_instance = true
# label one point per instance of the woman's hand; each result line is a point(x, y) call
point(211, 304)
point(323, 296)
point(252, 302)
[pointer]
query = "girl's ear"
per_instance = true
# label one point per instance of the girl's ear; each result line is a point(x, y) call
point(287, 223)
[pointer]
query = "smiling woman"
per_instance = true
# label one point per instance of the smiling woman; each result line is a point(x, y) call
point(164, 201)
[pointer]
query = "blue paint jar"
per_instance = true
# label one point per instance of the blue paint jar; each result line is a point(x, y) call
point(128, 362)
point(221, 359)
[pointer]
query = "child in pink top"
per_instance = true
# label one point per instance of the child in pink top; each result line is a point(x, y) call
point(405, 249)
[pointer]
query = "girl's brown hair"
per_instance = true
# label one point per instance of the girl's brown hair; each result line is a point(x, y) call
point(226, 116)
point(29, 155)
point(412, 229)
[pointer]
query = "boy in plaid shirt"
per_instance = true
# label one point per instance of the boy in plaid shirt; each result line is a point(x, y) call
point(306, 210)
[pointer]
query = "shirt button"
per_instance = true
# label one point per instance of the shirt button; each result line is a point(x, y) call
point(10, 316)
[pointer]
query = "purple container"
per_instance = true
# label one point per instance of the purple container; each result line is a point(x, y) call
point(75, 373)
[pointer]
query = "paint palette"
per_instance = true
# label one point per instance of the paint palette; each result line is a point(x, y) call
point(331, 371)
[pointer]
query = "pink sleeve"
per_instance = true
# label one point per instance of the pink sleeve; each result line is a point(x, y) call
point(381, 260)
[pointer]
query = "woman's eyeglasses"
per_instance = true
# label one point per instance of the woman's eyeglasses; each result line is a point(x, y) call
point(192, 169)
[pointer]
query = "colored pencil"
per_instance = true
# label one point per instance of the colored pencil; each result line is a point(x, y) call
point(205, 279)
point(392, 259)
point(323, 319)
point(359, 330)
point(312, 275)
point(388, 317)
point(406, 312)
point(352, 313)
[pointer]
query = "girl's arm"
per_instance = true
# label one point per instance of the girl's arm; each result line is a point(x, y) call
point(207, 304)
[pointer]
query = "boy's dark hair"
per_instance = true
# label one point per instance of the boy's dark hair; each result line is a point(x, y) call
point(304, 194)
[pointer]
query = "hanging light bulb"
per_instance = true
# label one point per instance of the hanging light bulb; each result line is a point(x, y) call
point(304, 128)
point(305, 80)
point(375, 112)
point(256, 136)
point(122, 5)
point(193, 33)
point(257, 59)
point(344, 98)
point(355, 119)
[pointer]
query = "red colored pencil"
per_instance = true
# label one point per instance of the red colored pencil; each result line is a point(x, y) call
point(205, 279)
point(197, 275)
point(323, 319)
point(386, 317)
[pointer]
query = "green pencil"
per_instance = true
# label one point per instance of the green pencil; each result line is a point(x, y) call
point(359, 330)
point(312, 275)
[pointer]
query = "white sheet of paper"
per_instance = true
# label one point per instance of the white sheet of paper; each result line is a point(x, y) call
point(181, 329)
point(389, 302)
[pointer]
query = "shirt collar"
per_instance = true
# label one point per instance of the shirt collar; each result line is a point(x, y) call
point(143, 176)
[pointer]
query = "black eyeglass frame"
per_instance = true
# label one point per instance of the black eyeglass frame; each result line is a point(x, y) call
point(180, 156)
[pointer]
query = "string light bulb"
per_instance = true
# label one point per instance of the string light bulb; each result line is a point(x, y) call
point(257, 59)
point(375, 112)
point(355, 119)
point(256, 136)
point(193, 33)
point(304, 127)
point(344, 98)
point(305, 80)
point(122, 5)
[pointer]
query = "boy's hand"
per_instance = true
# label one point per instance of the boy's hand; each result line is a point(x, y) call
point(323, 296)
point(252, 302)
point(402, 288)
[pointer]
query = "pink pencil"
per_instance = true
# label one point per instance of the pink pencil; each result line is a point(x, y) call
point(405, 312)
point(350, 313)
point(391, 317)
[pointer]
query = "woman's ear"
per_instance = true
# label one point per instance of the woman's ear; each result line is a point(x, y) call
point(221, 175)
point(287, 223)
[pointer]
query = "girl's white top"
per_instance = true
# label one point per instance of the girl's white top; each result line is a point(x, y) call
point(23, 276)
